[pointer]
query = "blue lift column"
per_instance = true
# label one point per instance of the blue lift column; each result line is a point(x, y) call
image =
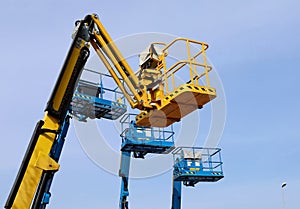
point(193, 165)
point(176, 195)
point(124, 174)
point(140, 141)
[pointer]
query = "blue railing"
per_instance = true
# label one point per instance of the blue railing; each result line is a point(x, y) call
point(97, 100)
point(130, 129)
point(198, 159)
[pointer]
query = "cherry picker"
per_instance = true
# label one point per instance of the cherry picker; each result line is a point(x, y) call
point(151, 89)
point(193, 165)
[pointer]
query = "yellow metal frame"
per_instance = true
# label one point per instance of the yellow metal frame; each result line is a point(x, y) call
point(192, 64)
point(173, 99)
point(39, 162)
point(139, 96)
point(108, 52)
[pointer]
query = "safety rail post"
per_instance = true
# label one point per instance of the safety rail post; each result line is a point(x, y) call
point(173, 82)
point(189, 60)
point(195, 70)
point(205, 68)
point(210, 160)
point(165, 74)
point(220, 159)
point(115, 93)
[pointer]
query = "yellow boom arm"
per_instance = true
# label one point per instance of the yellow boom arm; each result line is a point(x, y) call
point(36, 159)
point(151, 89)
point(154, 92)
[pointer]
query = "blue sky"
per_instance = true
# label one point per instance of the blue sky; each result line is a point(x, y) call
point(254, 47)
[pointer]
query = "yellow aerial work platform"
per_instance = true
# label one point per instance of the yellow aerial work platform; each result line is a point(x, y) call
point(183, 101)
point(152, 89)
point(172, 101)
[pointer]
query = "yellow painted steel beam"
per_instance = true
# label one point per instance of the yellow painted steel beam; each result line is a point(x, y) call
point(62, 93)
point(121, 71)
point(114, 55)
point(132, 103)
point(36, 159)
point(119, 57)
point(38, 163)
point(62, 87)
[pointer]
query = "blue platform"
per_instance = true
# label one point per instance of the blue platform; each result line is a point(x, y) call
point(193, 165)
point(143, 140)
point(92, 100)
